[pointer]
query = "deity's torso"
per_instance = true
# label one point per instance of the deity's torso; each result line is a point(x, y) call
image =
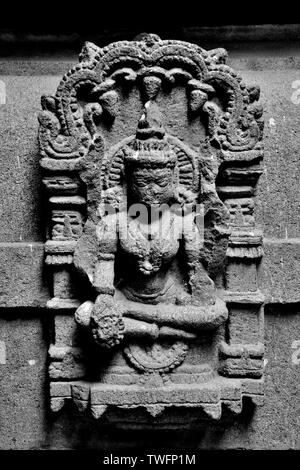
point(149, 251)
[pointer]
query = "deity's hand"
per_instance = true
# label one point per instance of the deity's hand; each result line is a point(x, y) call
point(104, 318)
point(106, 321)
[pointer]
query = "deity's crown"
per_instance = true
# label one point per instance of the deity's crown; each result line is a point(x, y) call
point(150, 147)
point(150, 153)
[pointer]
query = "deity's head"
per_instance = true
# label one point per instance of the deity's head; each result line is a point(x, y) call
point(151, 169)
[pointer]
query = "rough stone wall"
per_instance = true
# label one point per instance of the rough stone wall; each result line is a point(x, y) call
point(25, 421)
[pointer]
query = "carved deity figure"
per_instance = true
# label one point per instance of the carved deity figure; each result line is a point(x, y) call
point(152, 272)
point(150, 152)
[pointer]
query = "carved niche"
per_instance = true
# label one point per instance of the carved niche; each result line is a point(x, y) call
point(150, 152)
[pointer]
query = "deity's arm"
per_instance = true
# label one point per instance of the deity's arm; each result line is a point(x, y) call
point(200, 284)
point(188, 318)
point(216, 228)
point(107, 237)
point(95, 252)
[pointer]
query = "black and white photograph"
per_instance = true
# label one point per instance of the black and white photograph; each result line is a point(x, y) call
point(149, 235)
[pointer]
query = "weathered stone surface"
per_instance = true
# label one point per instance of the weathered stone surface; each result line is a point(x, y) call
point(278, 196)
point(23, 282)
point(274, 425)
point(275, 79)
point(152, 125)
point(23, 407)
point(280, 271)
point(20, 177)
point(20, 183)
point(23, 411)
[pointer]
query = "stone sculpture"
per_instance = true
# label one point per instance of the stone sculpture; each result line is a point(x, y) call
point(150, 152)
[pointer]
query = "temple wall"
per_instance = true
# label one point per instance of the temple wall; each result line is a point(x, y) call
point(25, 323)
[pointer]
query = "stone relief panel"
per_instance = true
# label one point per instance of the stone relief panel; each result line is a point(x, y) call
point(151, 154)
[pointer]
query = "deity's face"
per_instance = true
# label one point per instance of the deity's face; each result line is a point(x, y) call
point(152, 186)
